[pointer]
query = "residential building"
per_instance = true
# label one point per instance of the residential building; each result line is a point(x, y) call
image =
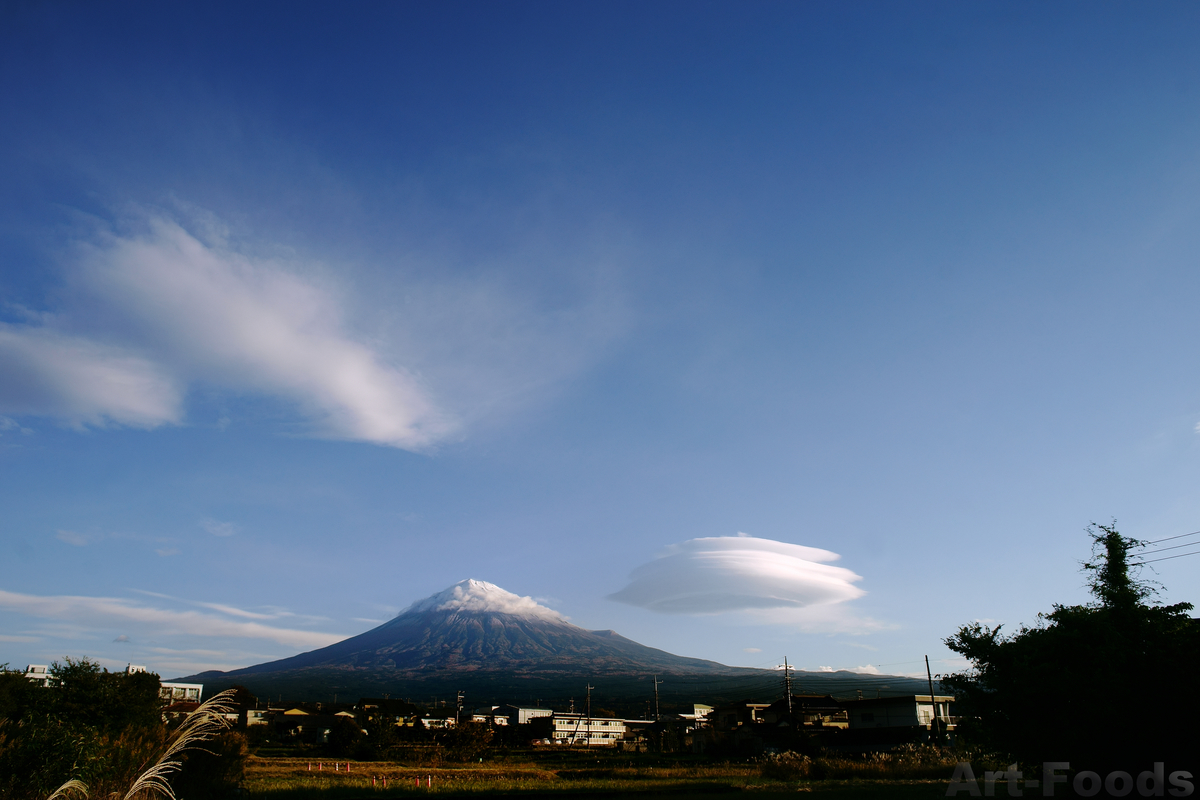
point(259, 716)
point(568, 728)
point(910, 710)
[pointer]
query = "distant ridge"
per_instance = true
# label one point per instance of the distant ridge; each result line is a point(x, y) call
point(475, 634)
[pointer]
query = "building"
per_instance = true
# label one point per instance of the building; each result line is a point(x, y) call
point(259, 716)
point(175, 692)
point(521, 715)
point(905, 711)
point(808, 711)
point(736, 715)
point(38, 673)
point(568, 728)
point(489, 715)
point(905, 719)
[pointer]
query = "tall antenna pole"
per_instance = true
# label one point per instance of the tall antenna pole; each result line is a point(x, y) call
point(787, 683)
point(656, 713)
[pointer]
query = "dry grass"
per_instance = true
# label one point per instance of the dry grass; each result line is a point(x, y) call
point(291, 779)
point(201, 725)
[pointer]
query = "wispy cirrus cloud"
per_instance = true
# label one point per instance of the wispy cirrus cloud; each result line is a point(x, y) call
point(71, 538)
point(112, 612)
point(160, 310)
point(49, 372)
point(403, 358)
point(217, 528)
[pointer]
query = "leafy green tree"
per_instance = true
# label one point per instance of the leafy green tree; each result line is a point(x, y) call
point(102, 728)
point(1107, 685)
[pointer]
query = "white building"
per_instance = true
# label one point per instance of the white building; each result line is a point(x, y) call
point(176, 692)
point(522, 715)
point(38, 673)
point(577, 729)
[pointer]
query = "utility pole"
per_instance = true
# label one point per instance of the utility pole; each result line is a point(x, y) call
point(787, 683)
point(588, 731)
point(458, 712)
point(934, 726)
point(657, 716)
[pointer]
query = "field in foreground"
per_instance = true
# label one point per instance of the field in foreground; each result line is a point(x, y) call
point(301, 779)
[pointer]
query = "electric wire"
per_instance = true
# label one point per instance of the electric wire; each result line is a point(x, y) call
point(1164, 558)
point(1169, 538)
point(1139, 556)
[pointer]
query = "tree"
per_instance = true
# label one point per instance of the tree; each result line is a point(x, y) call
point(1106, 685)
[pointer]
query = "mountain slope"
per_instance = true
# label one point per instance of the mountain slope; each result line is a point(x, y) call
point(475, 625)
point(480, 637)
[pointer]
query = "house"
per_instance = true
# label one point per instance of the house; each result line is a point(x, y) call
point(736, 715)
point(259, 716)
point(904, 719)
point(807, 711)
point(178, 711)
point(489, 715)
point(900, 712)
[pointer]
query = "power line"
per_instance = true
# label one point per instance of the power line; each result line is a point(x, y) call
point(1165, 558)
point(1169, 538)
point(1165, 549)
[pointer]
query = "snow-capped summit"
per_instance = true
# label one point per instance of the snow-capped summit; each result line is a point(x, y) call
point(481, 596)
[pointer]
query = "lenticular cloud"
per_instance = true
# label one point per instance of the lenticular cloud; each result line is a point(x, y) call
point(737, 573)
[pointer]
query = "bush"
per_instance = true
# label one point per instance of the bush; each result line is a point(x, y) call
point(787, 766)
point(216, 770)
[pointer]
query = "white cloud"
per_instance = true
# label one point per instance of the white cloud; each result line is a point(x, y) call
point(5, 637)
point(751, 649)
point(72, 538)
point(47, 372)
point(831, 618)
point(738, 573)
point(101, 612)
point(867, 669)
point(159, 311)
point(218, 528)
point(473, 595)
point(7, 424)
point(825, 669)
point(403, 353)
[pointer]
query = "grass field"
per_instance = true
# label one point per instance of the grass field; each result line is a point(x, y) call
point(298, 779)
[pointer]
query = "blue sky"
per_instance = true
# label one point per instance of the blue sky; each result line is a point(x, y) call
point(308, 311)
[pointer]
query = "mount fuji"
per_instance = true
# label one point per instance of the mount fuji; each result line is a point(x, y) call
point(476, 635)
